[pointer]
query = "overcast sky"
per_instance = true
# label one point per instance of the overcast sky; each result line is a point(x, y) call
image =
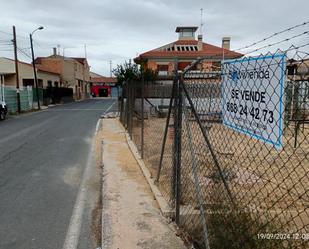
point(119, 30)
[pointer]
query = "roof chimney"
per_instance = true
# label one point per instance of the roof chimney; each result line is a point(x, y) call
point(54, 51)
point(200, 42)
point(226, 42)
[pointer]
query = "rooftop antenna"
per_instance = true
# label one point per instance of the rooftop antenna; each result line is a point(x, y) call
point(202, 24)
point(58, 48)
point(110, 68)
point(85, 48)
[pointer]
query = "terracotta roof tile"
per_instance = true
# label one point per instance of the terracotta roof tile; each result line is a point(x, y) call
point(46, 70)
point(103, 79)
point(40, 68)
point(207, 51)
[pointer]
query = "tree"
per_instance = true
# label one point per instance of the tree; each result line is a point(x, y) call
point(134, 72)
point(126, 71)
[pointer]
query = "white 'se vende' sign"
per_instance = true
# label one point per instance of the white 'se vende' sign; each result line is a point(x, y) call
point(252, 97)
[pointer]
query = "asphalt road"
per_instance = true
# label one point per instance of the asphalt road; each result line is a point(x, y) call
point(42, 160)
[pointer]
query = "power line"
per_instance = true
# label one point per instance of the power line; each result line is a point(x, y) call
point(24, 53)
point(25, 48)
point(6, 33)
point(10, 34)
point(273, 35)
point(6, 50)
point(6, 44)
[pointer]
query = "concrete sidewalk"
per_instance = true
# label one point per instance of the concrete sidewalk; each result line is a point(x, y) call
point(130, 217)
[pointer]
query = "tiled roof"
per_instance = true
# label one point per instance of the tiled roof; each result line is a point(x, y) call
point(46, 70)
point(208, 50)
point(103, 79)
point(78, 59)
point(21, 62)
point(94, 75)
point(41, 69)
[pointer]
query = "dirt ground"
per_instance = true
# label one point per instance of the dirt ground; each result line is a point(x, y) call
point(264, 180)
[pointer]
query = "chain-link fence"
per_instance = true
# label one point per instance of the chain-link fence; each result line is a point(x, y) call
point(9, 95)
point(229, 149)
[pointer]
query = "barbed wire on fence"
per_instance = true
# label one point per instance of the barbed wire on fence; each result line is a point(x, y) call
point(278, 42)
point(273, 35)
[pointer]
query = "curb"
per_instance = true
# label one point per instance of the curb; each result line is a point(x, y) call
point(25, 114)
point(166, 210)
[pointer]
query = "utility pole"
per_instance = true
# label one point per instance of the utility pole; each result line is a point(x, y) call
point(110, 68)
point(33, 64)
point(16, 70)
point(202, 24)
point(84, 72)
point(85, 49)
point(34, 72)
point(2, 88)
point(58, 49)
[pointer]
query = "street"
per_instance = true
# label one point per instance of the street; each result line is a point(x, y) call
point(43, 157)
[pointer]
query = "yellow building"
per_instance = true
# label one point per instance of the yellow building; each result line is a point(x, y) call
point(26, 75)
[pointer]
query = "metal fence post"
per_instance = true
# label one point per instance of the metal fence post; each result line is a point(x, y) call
point(175, 142)
point(178, 149)
point(121, 109)
point(142, 130)
point(131, 108)
point(127, 106)
point(165, 131)
point(133, 89)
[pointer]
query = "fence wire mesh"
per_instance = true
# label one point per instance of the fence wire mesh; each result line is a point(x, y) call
point(10, 97)
point(233, 147)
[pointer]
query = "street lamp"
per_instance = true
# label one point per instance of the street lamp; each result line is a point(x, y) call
point(33, 64)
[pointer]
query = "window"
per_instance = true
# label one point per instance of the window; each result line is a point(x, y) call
point(162, 70)
point(28, 82)
point(291, 69)
point(187, 33)
point(162, 67)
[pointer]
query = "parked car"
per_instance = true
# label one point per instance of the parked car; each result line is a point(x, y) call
point(3, 110)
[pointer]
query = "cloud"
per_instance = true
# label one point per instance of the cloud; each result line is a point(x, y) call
point(117, 30)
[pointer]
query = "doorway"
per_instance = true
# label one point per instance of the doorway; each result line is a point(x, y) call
point(103, 92)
